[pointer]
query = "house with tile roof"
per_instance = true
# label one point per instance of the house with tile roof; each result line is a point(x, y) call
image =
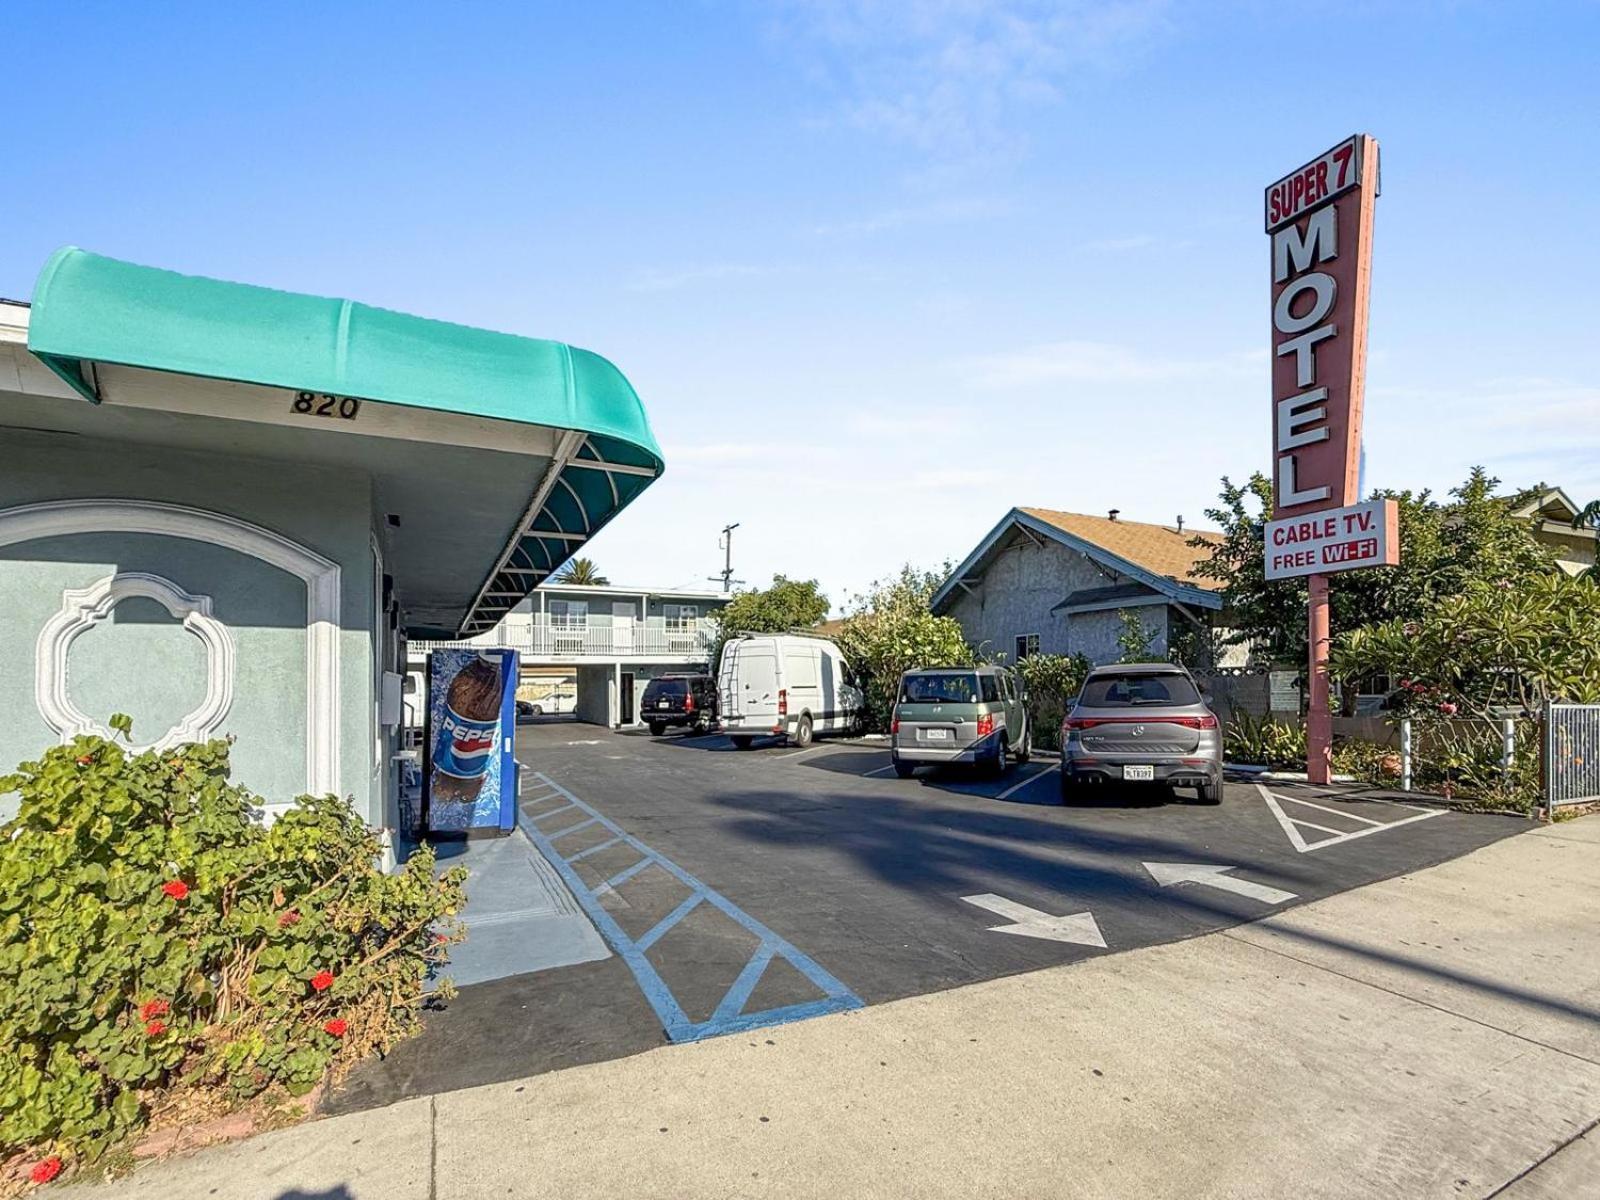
point(1049, 582)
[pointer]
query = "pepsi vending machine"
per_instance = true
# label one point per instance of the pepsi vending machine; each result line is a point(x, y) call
point(470, 776)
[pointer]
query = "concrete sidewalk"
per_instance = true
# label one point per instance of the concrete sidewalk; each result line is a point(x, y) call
point(1437, 1034)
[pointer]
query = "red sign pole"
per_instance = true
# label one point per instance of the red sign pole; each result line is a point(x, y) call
point(1319, 717)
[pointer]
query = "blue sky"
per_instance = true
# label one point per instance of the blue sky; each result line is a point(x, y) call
point(879, 270)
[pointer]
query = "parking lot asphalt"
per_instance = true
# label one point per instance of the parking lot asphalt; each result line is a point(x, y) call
point(741, 889)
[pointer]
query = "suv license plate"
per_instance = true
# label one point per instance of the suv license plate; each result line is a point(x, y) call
point(664, 704)
point(1142, 774)
point(936, 735)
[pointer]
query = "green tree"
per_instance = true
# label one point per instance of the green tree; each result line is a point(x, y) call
point(1133, 639)
point(891, 629)
point(581, 572)
point(787, 604)
point(1445, 547)
point(1052, 682)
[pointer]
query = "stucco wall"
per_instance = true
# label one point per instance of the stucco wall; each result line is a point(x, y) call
point(597, 699)
point(1025, 581)
point(138, 660)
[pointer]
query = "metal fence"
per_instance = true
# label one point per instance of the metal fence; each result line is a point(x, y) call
point(1571, 753)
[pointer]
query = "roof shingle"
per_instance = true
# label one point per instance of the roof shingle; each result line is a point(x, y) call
point(1159, 549)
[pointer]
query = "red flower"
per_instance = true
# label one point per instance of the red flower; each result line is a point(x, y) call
point(85, 759)
point(176, 888)
point(285, 919)
point(322, 981)
point(336, 1026)
point(153, 1008)
point(45, 1170)
point(155, 1028)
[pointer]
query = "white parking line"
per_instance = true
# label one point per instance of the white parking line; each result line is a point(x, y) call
point(1349, 816)
point(1017, 787)
point(879, 771)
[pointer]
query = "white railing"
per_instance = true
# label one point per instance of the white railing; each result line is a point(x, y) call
point(596, 638)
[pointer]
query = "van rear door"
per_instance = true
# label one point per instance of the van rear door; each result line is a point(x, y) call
point(758, 685)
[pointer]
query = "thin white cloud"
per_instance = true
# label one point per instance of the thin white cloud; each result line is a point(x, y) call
point(1138, 241)
point(940, 212)
point(670, 281)
point(721, 452)
point(1104, 363)
point(948, 77)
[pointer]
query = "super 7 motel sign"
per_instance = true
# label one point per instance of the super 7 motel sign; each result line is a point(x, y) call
point(1320, 219)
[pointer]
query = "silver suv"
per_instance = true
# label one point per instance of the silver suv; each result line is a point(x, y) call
point(1141, 723)
point(975, 715)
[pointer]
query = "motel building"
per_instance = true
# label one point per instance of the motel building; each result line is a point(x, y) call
point(227, 510)
point(587, 651)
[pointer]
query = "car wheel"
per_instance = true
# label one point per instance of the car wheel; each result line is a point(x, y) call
point(802, 732)
point(995, 768)
point(657, 728)
point(742, 743)
point(1210, 793)
point(537, 711)
point(1025, 750)
point(904, 770)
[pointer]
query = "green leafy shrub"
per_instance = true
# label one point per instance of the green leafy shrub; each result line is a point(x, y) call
point(891, 630)
point(1052, 682)
point(162, 951)
point(1367, 761)
point(1261, 741)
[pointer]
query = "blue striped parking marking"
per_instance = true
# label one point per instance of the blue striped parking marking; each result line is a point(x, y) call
point(730, 1015)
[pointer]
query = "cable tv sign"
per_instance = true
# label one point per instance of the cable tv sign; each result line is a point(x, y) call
point(1320, 220)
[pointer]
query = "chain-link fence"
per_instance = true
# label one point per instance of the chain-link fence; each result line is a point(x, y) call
point(1571, 754)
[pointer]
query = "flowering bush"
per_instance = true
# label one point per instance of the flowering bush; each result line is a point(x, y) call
point(160, 947)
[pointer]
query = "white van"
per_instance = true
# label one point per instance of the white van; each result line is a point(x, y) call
point(785, 684)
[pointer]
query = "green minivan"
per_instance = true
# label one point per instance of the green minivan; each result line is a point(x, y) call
point(976, 715)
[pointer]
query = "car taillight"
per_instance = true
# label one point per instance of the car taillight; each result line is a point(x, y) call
point(1209, 721)
point(985, 724)
point(783, 702)
point(894, 726)
point(688, 703)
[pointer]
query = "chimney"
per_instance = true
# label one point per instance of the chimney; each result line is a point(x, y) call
point(1180, 522)
point(1113, 513)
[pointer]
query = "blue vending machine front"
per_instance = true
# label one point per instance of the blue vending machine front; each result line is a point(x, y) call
point(470, 776)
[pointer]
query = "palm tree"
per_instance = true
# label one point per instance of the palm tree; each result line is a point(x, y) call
point(581, 571)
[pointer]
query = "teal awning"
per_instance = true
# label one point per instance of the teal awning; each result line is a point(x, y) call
point(88, 310)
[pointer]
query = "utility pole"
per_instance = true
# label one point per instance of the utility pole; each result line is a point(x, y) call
point(725, 544)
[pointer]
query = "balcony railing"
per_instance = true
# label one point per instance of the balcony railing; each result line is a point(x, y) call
point(598, 637)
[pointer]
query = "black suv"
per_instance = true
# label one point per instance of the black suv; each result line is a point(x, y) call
point(679, 700)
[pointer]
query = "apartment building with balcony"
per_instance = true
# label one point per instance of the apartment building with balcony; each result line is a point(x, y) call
point(610, 641)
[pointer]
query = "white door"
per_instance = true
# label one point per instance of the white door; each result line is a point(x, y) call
point(800, 681)
point(758, 686)
point(621, 627)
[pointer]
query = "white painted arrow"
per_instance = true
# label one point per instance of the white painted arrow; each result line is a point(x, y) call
point(1079, 928)
point(1167, 874)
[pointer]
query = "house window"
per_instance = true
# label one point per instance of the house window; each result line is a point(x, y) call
point(569, 614)
point(1027, 643)
point(681, 616)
